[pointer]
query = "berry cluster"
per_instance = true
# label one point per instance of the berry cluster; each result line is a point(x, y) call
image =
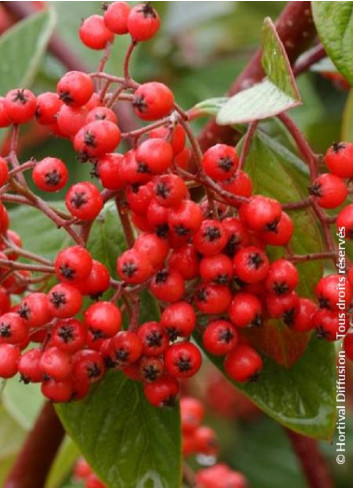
point(206, 260)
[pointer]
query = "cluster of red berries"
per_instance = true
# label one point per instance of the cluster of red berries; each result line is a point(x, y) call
point(205, 262)
point(83, 473)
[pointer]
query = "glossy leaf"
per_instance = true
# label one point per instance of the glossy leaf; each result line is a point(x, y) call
point(127, 442)
point(301, 398)
point(273, 95)
point(334, 24)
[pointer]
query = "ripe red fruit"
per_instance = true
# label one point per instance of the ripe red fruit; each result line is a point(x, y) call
point(220, 337)
point(261, 213)
point(219, 475)
point(84, 201)
point(282, 234)
point(101, 114)
point(210, 238)
point(70, 120)
point(169, 190)
point(88, 366)
point(150, 368)
point(50, 174)
point(138, 197)
point(330, 325)
point(182, 359)
point(348, 345)
point(9, 358)
point(283, 277)
point(179, 320)
point(192, 413)
point(75, 88)
point(48, 106)
point(57, 391)
point(28, 366)
point(345, 221)
point(168, 285)
point(94, 33)
point(206, 441)
point(64, 301)
point(185, 261)
point(69, 335)
point(20, 105)
point(339, 159)
point(239, 184)
point(97, 282)
point(238, 236)
point(333, 292)
point(109, 173)
point(143, 22)
point(220, 162)
point(4, 172)
point(176, 134)
point(213, 299)
point(133, 268)
point(251, 264)
point(154, 156)
point(97, 138)
point(126, 347)
point(303, 319)
point(103, 319)
point(186, 219)
point(152, 101)
point(154, 338)
point(245, 310)
point(217, 269)
point(243, 364)
point(5, 120)
point(55, 363)
point(162, 392)
point(283, 307)
point(34, 310)
point(73, 264)
point(329, 191)
point(152, 248)
point(116, 16)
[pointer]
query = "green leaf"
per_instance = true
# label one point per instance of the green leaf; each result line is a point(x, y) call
point(334, 24)
point(22, 48)
point(301, 398)
point(210, 106)
point(273, 95)
point(127, 442)
point(347, 122)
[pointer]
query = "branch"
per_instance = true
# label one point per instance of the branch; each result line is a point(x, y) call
point(296, 29)
point(33, 463)
point(311, 460)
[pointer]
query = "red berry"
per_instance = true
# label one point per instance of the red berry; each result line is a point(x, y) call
point(73, 264)
point(217, 269)
point(303, 319)
point(251, 264)
point(34, 310)
point(126, 347)
point(50, 174)
point(152, 248)
point(75, 88)
point(192, 413)
point(9, 358)
point(103, 319)
point(167, 285)
point(153, 100)
point(339, 159)
point(348, 345)
point(179, 320)
point(162, 392)
point(65, 301)
point(84, 201)
point(329, 191)
point(345, 221)
point(220, 162)
point(138, 197)
point(57, 391)
point(169, 190)
point(154, 338)
point(157, 217)
point(220, 337)
point(28, 366)
point(283, 307)
point(185, 261)
point(94, 33)
point(243, 364)
point(70, 120)
point(133, 268)
point(143, 22)
point(333, 292)
point(330, 325)
point(245, 310)
point(282, 234)
point(150, 368)
point(238, 236)
point(97, 282)
point(282, 277)
point(186, 219)
point(97, 138)
point(5, 120)
point(108, 169)
point(261, 213)
point(182, 360)
point(101, 114)
point(48, 106)
point(4, 172)
point(116, 16)
point(69, 335)
point(238, 184)
point(55, 363)
point(206, 441)
point(88, 366)
point(211, 237)
point(154, 156)
point(176, 134)
point(220, 475)
point(20, 105)
point(213, 299)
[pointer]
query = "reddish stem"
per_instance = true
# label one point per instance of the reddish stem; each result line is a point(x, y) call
point(34, 460)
